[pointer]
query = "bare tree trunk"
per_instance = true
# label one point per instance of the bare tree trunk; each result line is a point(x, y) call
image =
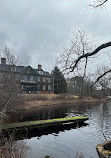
point(1, 122)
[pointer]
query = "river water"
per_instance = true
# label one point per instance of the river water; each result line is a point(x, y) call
point(69, 142)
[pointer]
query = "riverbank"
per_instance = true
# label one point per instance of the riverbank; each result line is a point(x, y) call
point(36, 100)
point(39, 107)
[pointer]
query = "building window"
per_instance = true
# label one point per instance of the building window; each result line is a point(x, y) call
point(40, 72)
point(32, 78)
point(43, 87)
point(38, 87)
point(24, 78)
point(49, 87)
point(43, 79)
point(16, 77)
point(38, 79)
point(49, 80)
point(13, 68)
point(28, 78)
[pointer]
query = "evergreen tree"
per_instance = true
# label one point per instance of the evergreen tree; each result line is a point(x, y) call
point(60, 84)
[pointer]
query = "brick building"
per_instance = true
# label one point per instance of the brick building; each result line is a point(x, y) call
point(30, 79)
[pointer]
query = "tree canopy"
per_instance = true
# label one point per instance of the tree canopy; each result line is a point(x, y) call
point(60, 84)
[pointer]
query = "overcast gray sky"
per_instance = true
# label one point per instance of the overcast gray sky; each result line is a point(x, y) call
point(37, 28)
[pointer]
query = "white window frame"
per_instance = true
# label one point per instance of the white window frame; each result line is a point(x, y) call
point(49, 87)
point(43, 87)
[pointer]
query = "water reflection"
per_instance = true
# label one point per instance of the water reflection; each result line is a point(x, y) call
point(65, 143)
point(53, 129)
point(50, 112)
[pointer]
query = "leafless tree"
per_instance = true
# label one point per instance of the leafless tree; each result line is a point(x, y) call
point(98, 3)
point(80, 45)
point(78, 54)
point(80, 86)
point(9, 92)
point(9, 83)
point(10, 55)
point(9, 88)
point(104, 83)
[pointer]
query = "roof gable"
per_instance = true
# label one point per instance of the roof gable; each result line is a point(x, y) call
point(29, 70)
point(44, 73)
point(24, 70)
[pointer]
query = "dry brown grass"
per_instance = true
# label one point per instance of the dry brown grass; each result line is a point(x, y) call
point(36, 100)
point(36, 97)
point(10, 149)
point(37, 103)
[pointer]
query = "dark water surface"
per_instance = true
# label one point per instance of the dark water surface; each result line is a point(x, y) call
point(65, 144)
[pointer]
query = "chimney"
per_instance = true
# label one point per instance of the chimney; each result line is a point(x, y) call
point(39, 67)
point(3, 60)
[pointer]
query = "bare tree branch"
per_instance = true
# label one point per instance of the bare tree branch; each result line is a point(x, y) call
point(98, 3)
point(80, 45)
point(10, 56)
point(105, 45)
point(9, 83)
point(105, 73)
point(76, 56)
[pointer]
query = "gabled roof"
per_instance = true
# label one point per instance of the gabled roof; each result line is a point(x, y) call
point(24, 70)
point(19, 69)
point(29, 70)
point(45, 73)
point(4, 67)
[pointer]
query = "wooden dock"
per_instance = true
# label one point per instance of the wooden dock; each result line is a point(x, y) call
point(43, 123)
